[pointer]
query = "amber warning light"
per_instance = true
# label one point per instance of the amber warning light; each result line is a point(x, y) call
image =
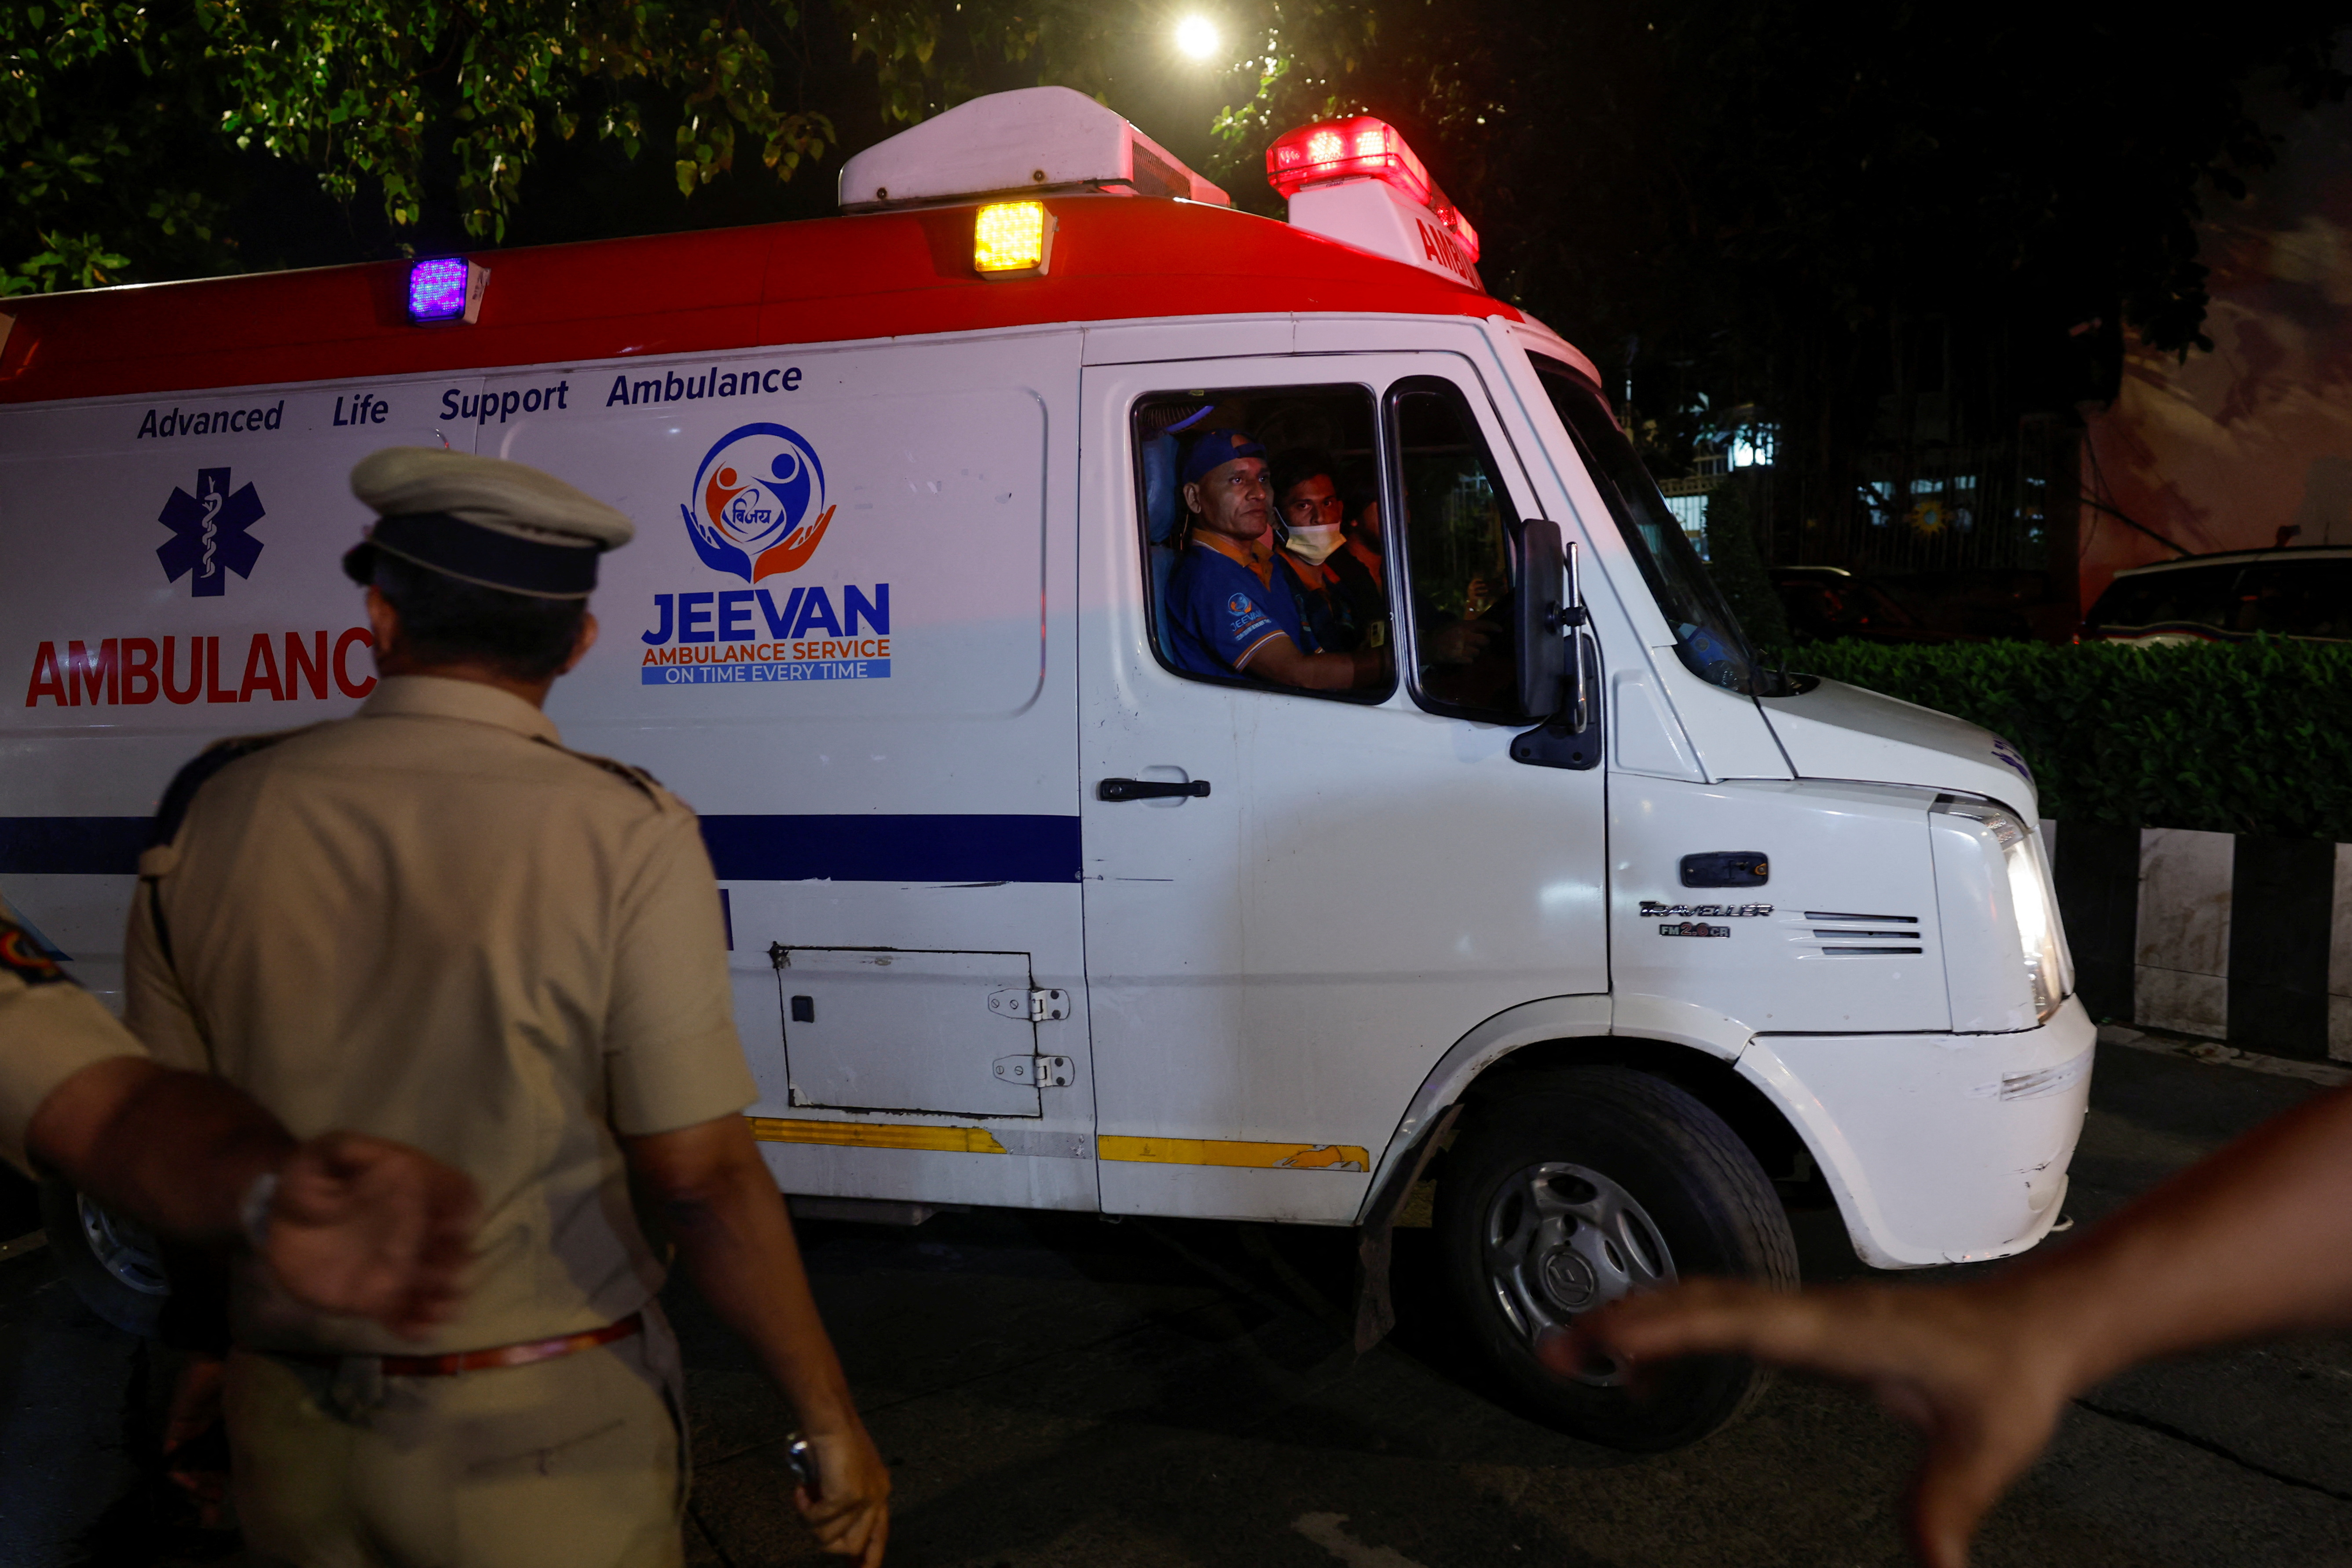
point(1361, 148)
point(1012, 240)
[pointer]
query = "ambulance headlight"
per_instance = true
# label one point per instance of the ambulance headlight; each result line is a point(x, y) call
point(1012, 240)
point(2041, 936)
point(447, 289)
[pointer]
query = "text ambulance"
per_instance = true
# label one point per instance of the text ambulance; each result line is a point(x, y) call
point(1623, 940)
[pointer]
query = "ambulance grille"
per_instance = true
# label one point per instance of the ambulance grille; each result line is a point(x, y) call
point(1846, 935)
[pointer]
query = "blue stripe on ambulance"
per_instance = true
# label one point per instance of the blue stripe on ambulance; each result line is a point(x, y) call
point(845, 848)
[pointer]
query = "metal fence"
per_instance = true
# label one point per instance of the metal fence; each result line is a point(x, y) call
point(1998, 504)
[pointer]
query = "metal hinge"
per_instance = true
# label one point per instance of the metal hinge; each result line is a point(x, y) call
point(1033, 1006)
point(1045, 1072)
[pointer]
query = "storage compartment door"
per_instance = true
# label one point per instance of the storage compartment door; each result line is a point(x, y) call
point(889, 1029)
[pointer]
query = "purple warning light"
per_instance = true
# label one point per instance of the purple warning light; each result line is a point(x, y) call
point(436, 291)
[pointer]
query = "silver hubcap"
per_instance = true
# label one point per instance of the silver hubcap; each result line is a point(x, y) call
point(121, 1248)
point(1560, 1240)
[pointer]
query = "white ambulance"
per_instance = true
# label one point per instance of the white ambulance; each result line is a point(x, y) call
point(1618, 936)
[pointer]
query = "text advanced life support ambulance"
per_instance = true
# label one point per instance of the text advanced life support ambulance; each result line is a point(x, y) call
point(1020, 914)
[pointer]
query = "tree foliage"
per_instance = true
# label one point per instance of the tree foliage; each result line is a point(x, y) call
point(125, 125)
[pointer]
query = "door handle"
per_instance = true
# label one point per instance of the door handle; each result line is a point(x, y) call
point(1149, 789)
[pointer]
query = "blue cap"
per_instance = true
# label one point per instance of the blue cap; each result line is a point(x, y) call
point(1214, 449)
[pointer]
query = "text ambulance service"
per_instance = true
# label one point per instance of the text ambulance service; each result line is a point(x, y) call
point(1560, 900)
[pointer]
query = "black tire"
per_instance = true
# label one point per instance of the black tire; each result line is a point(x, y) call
point(111, 1262)
point(1661, 1189)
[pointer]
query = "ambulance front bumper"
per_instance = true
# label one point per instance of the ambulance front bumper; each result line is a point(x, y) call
point(1939, 1148)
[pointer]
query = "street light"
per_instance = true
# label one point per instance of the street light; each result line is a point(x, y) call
point(1196, 37)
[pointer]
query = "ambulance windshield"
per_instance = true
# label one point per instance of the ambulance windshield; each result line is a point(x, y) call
point(1707, 635)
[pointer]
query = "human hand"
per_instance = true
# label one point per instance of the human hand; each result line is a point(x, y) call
point(1460, 642)
point(195, 1456)
point(850, 1510)
point(374, 1229)
point(1979, 1375)
point(196, 1406)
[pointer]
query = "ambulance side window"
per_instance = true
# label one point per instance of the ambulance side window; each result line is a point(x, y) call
point(1458, 529)
point(1293, 551)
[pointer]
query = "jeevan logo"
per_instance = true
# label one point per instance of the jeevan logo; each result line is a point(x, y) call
point(755, 509)
point(209, 532)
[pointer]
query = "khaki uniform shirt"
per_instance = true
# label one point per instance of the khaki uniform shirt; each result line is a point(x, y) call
point(431, 924)
point(50, 1028)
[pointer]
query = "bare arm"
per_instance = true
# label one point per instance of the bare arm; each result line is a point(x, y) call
point(175, 1151)
point(357, 1224)
point(1278, 659)
point(2255, 1240)
point(736, 1241)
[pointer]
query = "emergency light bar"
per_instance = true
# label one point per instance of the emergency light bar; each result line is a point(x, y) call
point(1357, 149)
point(448, 289)
point(1361, 148)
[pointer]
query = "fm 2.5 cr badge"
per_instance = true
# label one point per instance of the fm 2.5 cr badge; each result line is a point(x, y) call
point(1691, 919)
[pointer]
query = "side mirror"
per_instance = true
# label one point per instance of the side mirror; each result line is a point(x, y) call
point(1541, 606)
point(1560, 674)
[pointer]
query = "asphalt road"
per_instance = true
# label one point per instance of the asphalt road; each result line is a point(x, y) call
point(1059, 1390)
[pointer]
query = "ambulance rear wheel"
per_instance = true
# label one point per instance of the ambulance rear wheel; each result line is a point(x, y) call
point(1569, 1190)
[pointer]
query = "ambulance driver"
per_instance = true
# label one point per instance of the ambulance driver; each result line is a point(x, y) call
point(1229, 612)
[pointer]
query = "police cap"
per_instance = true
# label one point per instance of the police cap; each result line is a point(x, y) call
point(483, 520)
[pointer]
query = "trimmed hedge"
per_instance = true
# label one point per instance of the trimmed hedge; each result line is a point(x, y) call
point(2253, 737)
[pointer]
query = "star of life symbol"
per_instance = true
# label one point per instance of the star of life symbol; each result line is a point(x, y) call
point(209, 532)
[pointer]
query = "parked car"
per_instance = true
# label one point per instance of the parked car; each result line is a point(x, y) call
point(2228, 597)
point(1969, 604)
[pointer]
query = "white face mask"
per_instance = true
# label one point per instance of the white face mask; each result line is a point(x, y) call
point(1314, 545)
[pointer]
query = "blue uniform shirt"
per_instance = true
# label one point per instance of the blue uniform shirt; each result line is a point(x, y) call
point(1218, 613)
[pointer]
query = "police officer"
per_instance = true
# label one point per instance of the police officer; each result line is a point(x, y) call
point(433, 922)
point(343, 1223)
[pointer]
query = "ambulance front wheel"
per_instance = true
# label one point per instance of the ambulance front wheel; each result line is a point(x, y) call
point(1569, 1189)
point(111, 1263)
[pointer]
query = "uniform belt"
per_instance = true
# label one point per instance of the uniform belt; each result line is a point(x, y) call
point(522, 1354)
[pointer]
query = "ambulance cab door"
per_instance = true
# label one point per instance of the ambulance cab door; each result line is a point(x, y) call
point(1295, 901)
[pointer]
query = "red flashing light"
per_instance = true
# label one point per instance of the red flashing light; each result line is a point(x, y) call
point(1358, 149)
point(1361, 148)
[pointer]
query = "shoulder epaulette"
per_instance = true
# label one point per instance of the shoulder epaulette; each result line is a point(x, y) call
point(643, 781)
point(26, 955)
point(174, 809)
